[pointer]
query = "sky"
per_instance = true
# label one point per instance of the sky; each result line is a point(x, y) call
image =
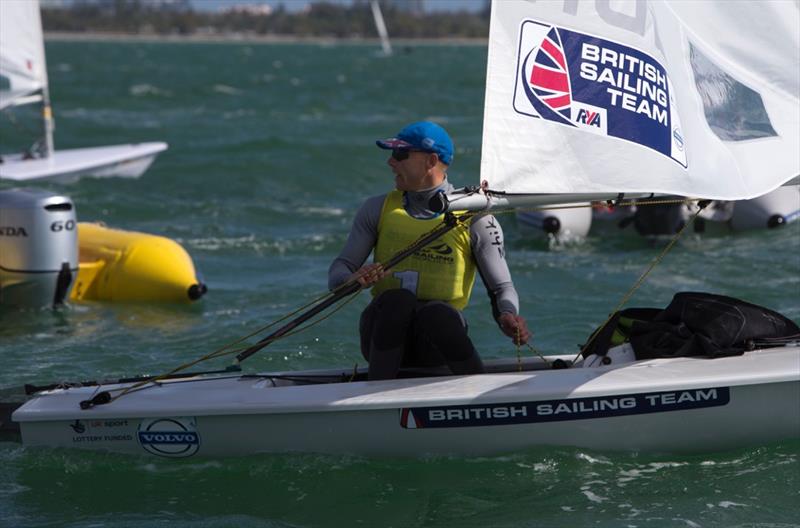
point(297, 5)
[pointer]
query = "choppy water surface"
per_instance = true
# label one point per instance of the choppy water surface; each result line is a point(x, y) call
point(271, 151)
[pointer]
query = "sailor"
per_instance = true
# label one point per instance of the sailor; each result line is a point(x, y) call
point(415, 317)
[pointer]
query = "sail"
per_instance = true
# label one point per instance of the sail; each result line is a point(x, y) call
point(22, 65)
point(596, 96)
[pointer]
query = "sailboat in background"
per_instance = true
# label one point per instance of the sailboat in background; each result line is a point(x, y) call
point(23, 81)
point(380, 26)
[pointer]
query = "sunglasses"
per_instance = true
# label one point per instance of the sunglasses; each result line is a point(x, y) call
point(402, 154)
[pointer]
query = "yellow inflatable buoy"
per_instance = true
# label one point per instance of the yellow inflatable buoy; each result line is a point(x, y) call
point(117, 265)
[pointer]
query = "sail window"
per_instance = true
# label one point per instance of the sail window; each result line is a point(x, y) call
point(733, 111)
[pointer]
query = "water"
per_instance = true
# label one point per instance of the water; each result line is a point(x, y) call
point(271, 151)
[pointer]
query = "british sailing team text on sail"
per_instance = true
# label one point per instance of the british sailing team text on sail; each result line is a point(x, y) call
point(645, 85)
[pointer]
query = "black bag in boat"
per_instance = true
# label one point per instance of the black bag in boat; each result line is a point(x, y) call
point(694, 324)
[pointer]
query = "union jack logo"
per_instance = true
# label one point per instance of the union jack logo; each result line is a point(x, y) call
point(549, 78)
point(408, 420)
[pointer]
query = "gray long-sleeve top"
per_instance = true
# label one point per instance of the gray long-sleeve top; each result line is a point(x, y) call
point(486, 237)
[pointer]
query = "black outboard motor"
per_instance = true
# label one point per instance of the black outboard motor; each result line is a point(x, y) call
point(38, 248)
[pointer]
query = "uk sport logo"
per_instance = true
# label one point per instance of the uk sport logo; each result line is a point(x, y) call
point(597, 86)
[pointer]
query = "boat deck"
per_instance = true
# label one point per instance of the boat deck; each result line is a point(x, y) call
point(273, 393)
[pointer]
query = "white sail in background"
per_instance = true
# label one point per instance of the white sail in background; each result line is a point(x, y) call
point(380, 26)
point(22, 61)
point(688, 98)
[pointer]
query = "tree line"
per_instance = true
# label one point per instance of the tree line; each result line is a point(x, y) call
point(319, 20)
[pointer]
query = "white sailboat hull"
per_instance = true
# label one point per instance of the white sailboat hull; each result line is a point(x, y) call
point(663, 405)
point(126, 161)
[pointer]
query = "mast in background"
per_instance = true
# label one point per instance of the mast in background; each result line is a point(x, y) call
point(381, 27)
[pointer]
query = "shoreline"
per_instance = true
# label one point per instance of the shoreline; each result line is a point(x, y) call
point(248, 38)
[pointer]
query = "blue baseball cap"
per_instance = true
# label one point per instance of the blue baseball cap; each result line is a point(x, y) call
point(424, 136)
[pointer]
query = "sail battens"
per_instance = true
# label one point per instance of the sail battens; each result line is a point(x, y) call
point(684, 98)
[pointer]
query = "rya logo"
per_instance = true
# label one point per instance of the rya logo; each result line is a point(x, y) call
point(587, 117)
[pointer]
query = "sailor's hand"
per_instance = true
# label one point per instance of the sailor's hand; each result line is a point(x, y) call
point(514, 326)
point(370, 274)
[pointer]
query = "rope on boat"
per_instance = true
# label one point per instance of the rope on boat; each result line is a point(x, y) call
point(618, 203)
point(225, 350)
point(615, 204)
point(532, 349)
point(701, 205)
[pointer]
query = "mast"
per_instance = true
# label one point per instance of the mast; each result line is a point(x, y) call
point(381, 27)
point(47, 147)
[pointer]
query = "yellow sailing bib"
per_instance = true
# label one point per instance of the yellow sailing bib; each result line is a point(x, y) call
point(444, 270)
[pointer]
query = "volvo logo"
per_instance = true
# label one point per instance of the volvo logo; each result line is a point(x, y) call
point(169, 437)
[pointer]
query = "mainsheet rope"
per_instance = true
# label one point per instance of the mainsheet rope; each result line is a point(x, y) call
point(701, 205)
point(232, 348)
